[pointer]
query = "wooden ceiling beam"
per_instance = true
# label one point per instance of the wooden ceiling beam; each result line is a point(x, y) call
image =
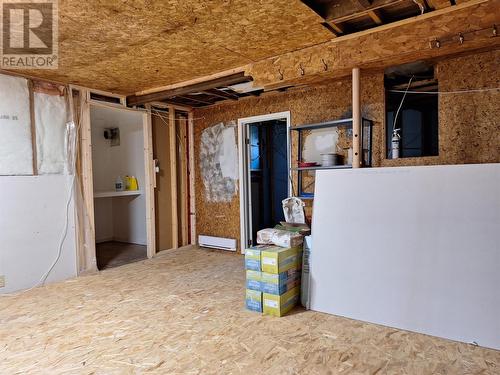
point(376, 48)
point(197, 87)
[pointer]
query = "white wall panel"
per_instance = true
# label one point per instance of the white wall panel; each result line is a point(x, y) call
point(416, 248)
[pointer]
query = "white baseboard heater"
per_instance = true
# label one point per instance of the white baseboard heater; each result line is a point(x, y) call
point(217, 242)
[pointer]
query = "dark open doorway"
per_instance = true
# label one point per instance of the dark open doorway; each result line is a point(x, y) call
point(268, 173)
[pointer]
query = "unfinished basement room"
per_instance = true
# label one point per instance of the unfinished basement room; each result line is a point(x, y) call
point(250, 187)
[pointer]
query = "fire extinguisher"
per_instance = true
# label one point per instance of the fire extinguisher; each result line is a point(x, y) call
point(396, 139)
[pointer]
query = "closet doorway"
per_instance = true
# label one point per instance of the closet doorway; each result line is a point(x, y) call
point(120, 185)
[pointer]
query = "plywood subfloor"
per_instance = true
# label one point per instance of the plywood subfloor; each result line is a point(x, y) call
point(113, 254)
point(182, 313)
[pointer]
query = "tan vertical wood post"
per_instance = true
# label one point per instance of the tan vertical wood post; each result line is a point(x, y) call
point(150, 175)
point(87, 179)
point(192, 214)
point(173, 175)
point(356, 119)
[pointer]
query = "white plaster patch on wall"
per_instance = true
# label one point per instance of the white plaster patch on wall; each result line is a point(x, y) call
point(319, 142)
point(228, 154)
point(219, 162)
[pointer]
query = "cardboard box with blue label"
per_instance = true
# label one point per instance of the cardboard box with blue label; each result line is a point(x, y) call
point(280, 259)
point(253, 300)
point(253, 256)
point(279, 283)
point(253, 280)
point(276, 305)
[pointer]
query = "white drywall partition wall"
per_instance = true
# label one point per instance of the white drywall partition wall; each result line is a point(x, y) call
point(416, 248)
point(32, 219)
point(50, 123)
point(16, 155)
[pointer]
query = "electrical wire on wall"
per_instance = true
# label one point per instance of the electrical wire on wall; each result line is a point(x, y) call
point(394, 130)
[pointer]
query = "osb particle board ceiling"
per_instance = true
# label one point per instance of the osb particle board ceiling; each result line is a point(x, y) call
point(132, 45)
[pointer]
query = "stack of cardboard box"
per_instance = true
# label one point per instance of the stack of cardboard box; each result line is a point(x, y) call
point(273, 278)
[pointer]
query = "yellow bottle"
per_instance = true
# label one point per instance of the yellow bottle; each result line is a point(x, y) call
point(126, 181)
point(133, 183)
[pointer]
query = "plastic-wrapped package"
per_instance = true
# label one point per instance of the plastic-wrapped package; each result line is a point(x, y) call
point(293, 208)
point(279, 237)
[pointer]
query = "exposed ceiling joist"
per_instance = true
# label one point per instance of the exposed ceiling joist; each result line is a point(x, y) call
point(365, 10)
point(222, 94)
point(374, 14)
point(197, 87)
point(438, 4)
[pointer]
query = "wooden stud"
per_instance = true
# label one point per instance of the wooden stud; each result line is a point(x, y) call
point(356, 118)
point(192, 201)
point(150, 174)
point(87, 176)
point(173, 175)
point(33, 128)
point(183, 179)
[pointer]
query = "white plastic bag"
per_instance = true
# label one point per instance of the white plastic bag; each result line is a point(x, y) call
point(293, 208)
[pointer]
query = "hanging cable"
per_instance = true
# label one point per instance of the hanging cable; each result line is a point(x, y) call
point(401, 104)
point(420, 5)
point(397, 112)
point(447, 92)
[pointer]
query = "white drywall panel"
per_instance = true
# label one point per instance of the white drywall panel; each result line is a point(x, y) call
point(16, 155)
point(103, 214)
point(33, 214)
point(123, 217)
point(50, 120)
point(416, 248)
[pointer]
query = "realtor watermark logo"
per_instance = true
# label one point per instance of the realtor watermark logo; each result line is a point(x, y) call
point(29, 34)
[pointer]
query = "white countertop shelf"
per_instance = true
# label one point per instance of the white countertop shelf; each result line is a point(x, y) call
point(112, 193)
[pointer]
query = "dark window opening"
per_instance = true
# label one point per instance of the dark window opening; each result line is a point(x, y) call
point(416, 125)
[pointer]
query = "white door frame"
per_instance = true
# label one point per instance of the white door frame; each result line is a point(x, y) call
point(243, 149)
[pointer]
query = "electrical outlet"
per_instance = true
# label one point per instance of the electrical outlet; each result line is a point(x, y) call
point(2, 281)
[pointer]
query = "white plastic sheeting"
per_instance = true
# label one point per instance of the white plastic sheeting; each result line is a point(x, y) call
point(279, 237)
point(16, 155)
point(50, 120)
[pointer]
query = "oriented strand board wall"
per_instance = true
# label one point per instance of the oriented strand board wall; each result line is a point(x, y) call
point(321, 103)
point(468, 123)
